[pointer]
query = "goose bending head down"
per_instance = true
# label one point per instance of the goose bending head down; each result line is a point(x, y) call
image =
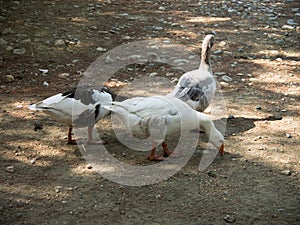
point(81, 107)
point(158, 116)
point(197, 87)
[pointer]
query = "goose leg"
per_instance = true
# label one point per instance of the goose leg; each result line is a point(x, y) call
point(70, 140)
point(153, 157)
point(168, 152)
point(91, 141)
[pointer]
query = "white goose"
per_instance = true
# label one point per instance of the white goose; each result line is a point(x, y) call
point(81, 107)
point(198, 87)
point(158, 116)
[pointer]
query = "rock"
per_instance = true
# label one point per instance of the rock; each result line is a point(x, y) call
point(287, 27)
point(113, 31)
point(9, 78)
point(44, 71)
point(100, 49)
point(10, 169)
point(89, 166)
point(19, 51)
point(258, 107)
point(222, 43)
point(2, 41)
point(219, 73)
point(226, 78)
point(63, 75)
point(32, 161)
point(9, 48)
point(57, 189)
point(229, 219)
point(158, 28)
point(153, 74)
point(288, 135)
point(8, 31)
point(127, 38)
point(291, 22)
point(286, 172)
point(45, 84)
point(224, 84)
point(180, 61)
point(26, 41)
point(162, 8)
point(279, 42)
point(218, 52)
point(59, 42)
point(234, 64)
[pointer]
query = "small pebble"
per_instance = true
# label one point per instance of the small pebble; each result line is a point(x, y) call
point(219, 73)
point(226, 78)
point(100, 49)
point(229, 219)
point(89, 166)
point(286, 172)
point(9, 78)
point(44, 71)
point(63, 75)
point(258, 107)
point(19, 51)
point(59, 42)
point(8, 31)
point(218, 52)
point(32, 161)
point(153, 74)
point(2, 41)
point(287, 27)
point(222, 43)
point(10, 169)
point(288, 135)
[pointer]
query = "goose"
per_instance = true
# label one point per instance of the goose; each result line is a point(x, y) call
point(80, 107)
point(158, 116)
point(198, 87)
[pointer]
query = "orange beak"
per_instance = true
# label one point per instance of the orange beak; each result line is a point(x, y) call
point(221, 150)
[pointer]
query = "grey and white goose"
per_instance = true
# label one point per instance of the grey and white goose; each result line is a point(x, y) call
point(198, 87)
point(80, 107)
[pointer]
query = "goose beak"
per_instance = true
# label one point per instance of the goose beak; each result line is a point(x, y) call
point(221, 150)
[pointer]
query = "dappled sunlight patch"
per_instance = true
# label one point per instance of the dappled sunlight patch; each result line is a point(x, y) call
point(202, 19)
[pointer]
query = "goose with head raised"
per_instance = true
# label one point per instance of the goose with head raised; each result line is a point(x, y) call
point(198, 87)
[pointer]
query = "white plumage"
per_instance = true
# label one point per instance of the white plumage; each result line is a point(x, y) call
point(198, 87)
point(82, 107)
point(158, 116)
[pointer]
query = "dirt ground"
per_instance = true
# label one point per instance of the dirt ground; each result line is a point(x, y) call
point(45, 181)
